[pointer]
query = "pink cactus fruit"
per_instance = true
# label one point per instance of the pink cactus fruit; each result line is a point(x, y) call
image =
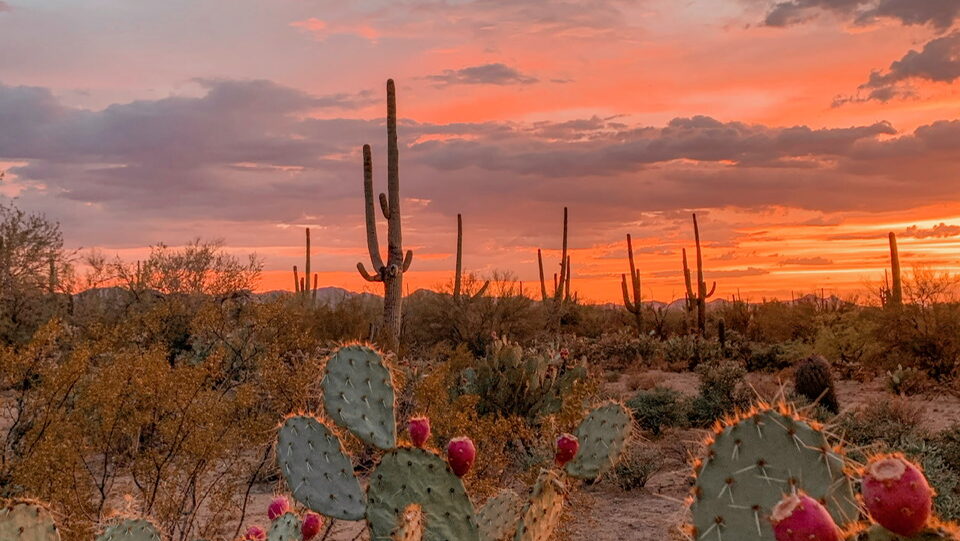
point(419, 428)
point(460, 454)
point(567, 447)
point(311, 525)
point(799, 517)
point(278, 507)
point(897, 495)
point(255, 533)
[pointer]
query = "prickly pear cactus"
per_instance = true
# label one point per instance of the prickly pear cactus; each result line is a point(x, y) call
point(317, 470)
point(414, 476)
point(878, 533)
point(603, 435)
point(751, 463)
point(131, 530)
point(498, 517)
point(541, 513)
point(358, 395)
point(411, 524)
point(286, 527)
point(27, 521)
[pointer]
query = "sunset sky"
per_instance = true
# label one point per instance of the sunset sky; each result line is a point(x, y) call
point(801, 132)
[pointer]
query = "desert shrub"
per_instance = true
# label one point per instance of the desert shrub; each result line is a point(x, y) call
point(880, 421)
point(616, 351)
point(848, 338)
point(637, 465)
point(721, 392)
point(658, 409)
point(763, 357)
point(512, 380)
point(906, 381)
point(813, 379)
point(689, 350)
point(948, 441)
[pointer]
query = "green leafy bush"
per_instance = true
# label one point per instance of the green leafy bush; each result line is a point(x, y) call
point(721, 392)
point(659, 408)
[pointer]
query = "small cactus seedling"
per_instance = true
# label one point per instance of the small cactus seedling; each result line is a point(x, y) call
point(799, 517)
point(131, 529)
point(897, 495)
point(461, 454)
point(602, 436)
point(286, 527)
point(27, 521)
point(419, 429)
point(752, 461)
point(567, 446)
point(498, 517)
point(541, 514)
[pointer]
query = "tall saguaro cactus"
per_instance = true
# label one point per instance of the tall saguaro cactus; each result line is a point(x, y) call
point(635, 307)
point(895, 293)
point(561, 283)
point(302, 285)
point(458, 278)
point(391, 273)
point(701, 295)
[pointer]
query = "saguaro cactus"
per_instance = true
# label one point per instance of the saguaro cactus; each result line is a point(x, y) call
point(635, 307)
point(391, 273)
point(701, 295)
point(561, 282)
point(457, 279)
point(302, 285)
point(894, 295)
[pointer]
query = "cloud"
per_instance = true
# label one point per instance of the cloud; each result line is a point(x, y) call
point(486, 74)
point(807, 261)
point(940, 230)
point(940, 14)
point(938, 61)
point(250, 152)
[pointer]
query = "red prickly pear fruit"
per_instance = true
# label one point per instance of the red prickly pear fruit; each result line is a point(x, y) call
point(567, 447)
point(255, 533)
point(278, 507)
point(460, 454)
point(799, 517)
point(897, 495)
point(419, 428)
point(311, 525)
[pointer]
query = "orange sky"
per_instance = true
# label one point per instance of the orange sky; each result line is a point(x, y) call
point(800, 132)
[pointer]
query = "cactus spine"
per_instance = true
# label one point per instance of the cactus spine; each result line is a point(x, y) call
point(391, 273)
point(457, 279)
point(698, 298)
point(635, 307)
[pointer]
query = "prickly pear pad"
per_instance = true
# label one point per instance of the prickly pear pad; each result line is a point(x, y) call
point(25, 521)
point(358, 395)
point(602, 434)
point(409, 475)
point(318, 472)
point(286, 527)
point(131, 530)
point(753, 462)
point(541, 514)
point(411, 524)
point(498, 517)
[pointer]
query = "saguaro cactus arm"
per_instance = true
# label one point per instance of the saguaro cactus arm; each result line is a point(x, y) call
point(635, 306)
point(896, 288)
point(543, 285)
point(373, 244)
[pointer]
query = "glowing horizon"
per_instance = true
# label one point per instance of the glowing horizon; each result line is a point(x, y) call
point(800, 132)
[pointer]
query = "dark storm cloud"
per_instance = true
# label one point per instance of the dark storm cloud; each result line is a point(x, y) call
point(940, 14)
point(938, 61)
point(486, 74)
point(248, 151)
